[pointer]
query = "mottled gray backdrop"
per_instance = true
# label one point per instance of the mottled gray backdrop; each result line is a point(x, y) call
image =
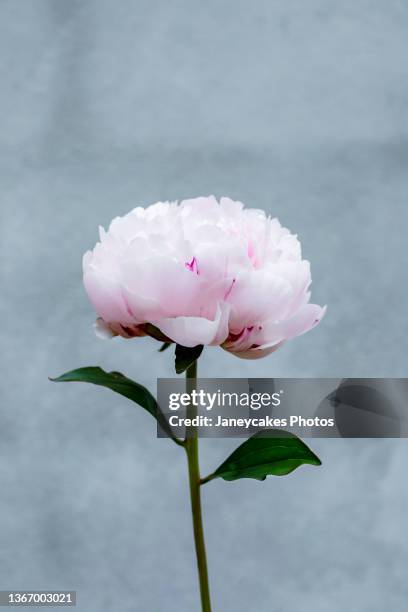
point(296, 107)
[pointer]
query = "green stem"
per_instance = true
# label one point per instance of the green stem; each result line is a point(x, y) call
point(191, 446)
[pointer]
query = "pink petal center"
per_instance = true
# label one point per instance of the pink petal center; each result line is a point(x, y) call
point(192, 266)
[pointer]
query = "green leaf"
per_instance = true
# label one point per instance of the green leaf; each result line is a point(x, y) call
point(120, 384)
point(164, 346)
point(185, 356)
point(269, 452)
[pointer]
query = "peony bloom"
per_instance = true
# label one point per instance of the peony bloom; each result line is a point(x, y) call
point(201, 272)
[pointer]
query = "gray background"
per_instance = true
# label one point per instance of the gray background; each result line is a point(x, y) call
point(296, 107)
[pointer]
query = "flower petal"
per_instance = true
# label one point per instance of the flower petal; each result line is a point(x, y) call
point(191, 331)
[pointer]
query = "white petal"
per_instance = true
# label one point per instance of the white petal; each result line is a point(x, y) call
point(256, 353)
point(191, 331)
point(103, 330)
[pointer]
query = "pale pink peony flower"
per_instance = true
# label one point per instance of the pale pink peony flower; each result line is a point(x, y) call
point(201, 272)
